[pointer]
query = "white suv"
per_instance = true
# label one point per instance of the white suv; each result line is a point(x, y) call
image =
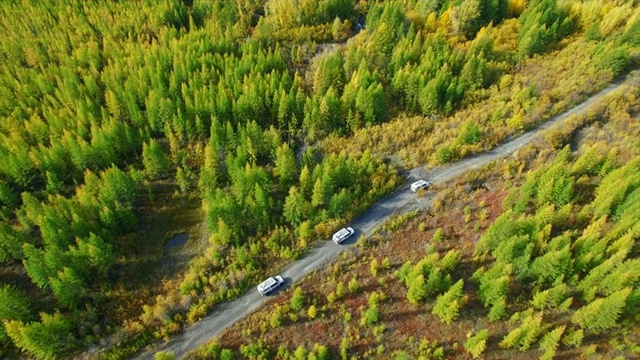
point(343, 234)
point(270, 284)
point(420, 184)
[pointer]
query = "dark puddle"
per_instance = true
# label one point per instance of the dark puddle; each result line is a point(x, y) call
point(176, 241)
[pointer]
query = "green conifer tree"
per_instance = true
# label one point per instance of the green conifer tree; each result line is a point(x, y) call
point(476, 344)
point(447, 306)
point(603, 313)
point(156, 162)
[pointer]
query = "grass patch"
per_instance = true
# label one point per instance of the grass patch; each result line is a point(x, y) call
point(146, 268)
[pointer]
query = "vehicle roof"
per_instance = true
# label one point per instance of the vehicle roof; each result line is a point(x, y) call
point(267, 283)
point(419, 182)
point(342, 232)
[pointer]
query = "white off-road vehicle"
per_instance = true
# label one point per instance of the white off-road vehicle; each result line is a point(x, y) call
point(270, 284)
point(420, 184)
point(343, 235)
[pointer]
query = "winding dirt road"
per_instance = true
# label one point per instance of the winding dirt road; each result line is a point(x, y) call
point(324, 252)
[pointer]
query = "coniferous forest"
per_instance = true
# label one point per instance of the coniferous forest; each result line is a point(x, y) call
point(259, 127)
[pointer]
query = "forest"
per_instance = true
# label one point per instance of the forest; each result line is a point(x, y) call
point(261, 126)
point(534, 256)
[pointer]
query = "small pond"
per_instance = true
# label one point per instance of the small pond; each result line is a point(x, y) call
point(176, 241)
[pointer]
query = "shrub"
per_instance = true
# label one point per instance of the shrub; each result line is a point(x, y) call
point(163, 355)
point(312, 312)
point(300, 353)
point(374, 267)
point(438, 235)
point(371, 315)
point(430, 350)
point(399, 221)
point(283, 352)
point(212, 350)
point(353, 284)
point(386, 263)
point(476, 344)
point(344, 348)
point(254, 350)
point(632, 35)
point(590, 350)
point(322, 352)
point(347, 317)
point(332, 297)
point(484, 215)
point(226, 354)
point(374, 298)
point(444, 154)
point(403, 272)
point(276, 318)
point(297, 299)
point(617, 60)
